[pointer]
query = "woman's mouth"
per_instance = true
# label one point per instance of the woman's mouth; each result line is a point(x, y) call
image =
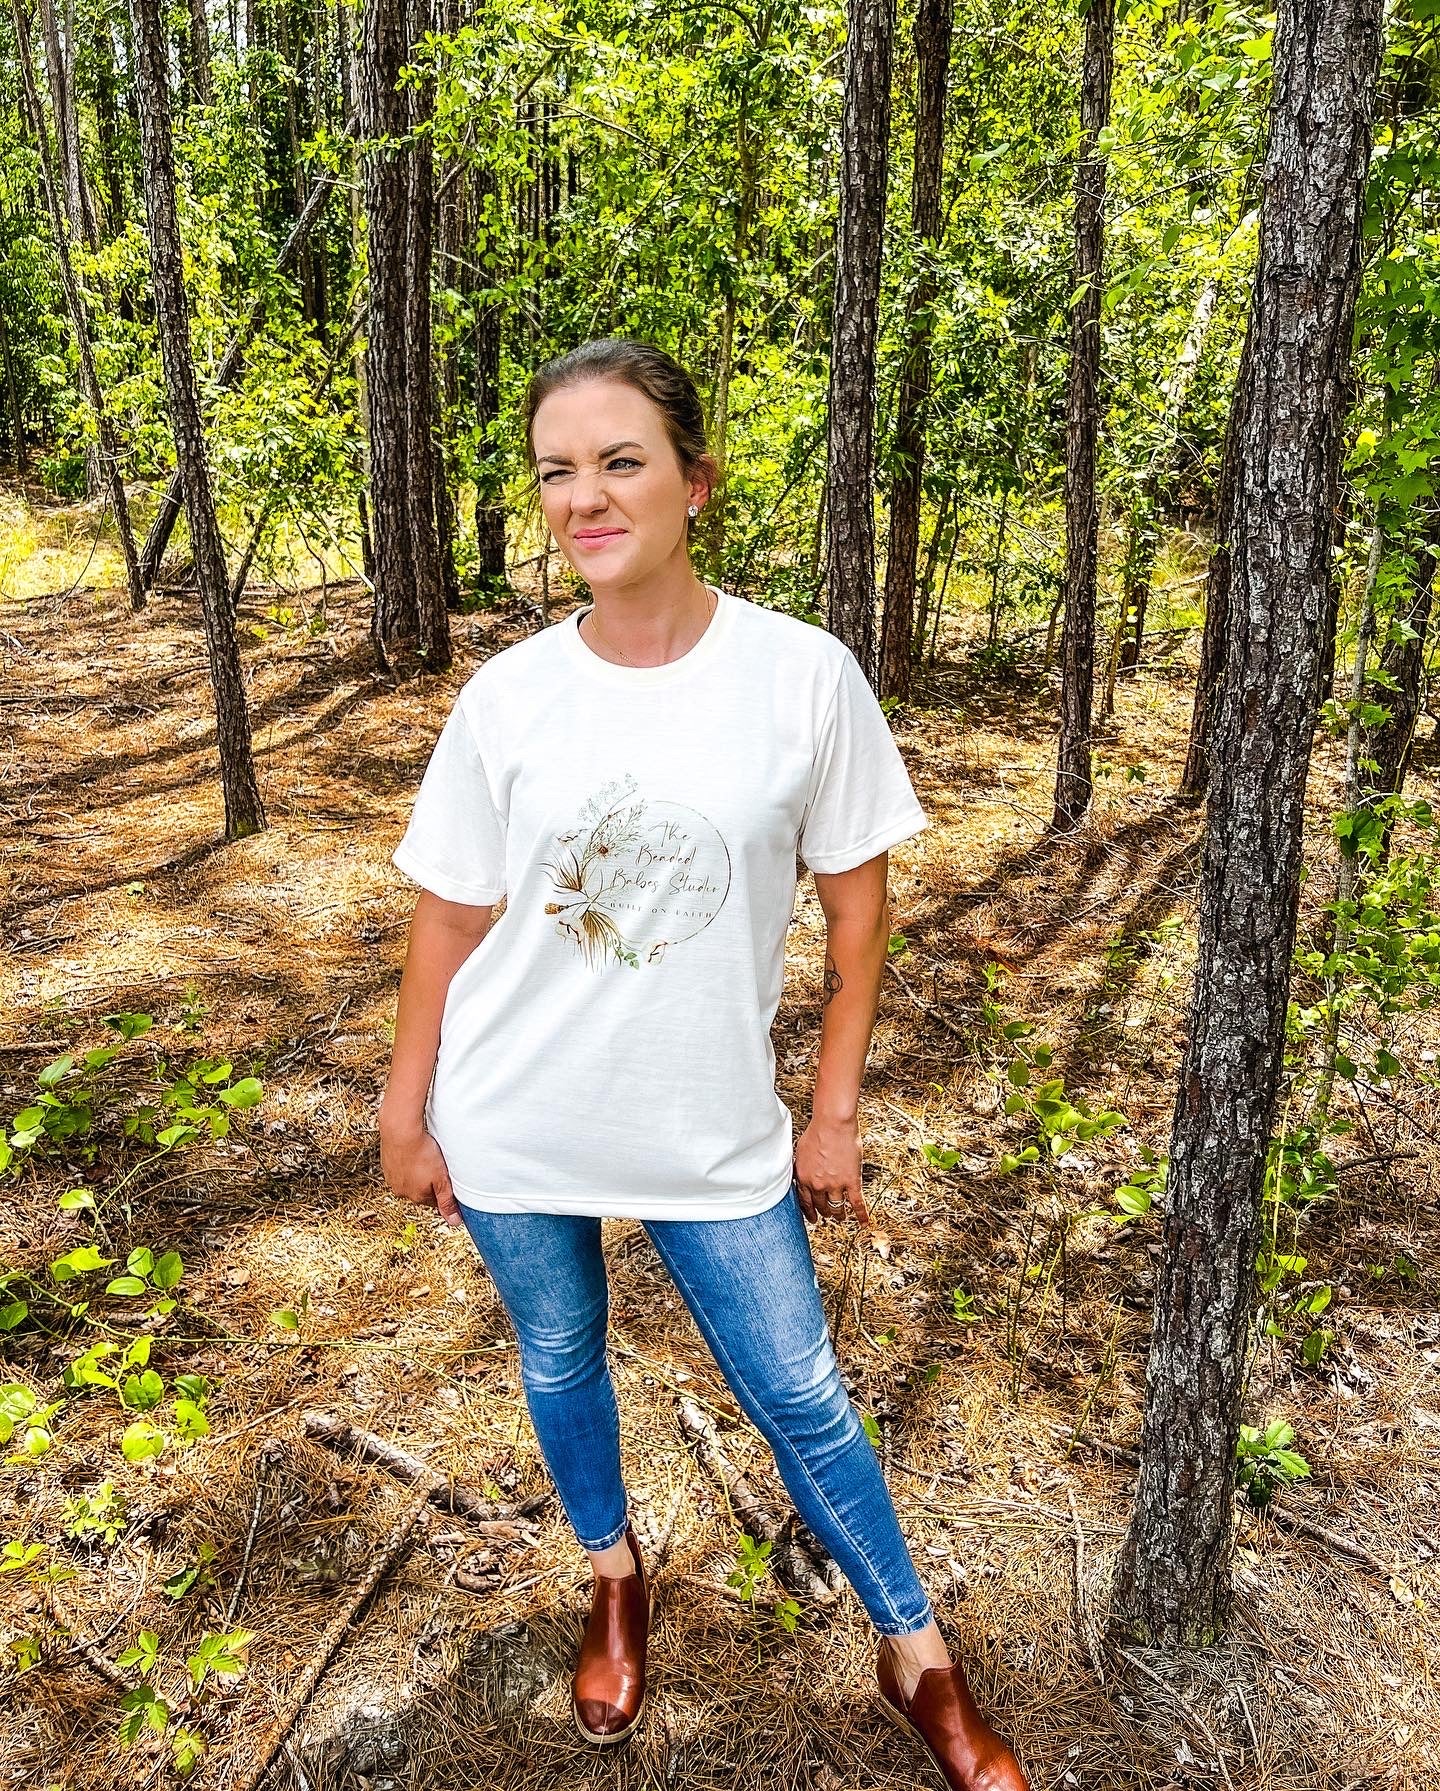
point(597, 537)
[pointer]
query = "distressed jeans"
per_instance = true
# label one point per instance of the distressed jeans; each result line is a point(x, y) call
point(751, 1288)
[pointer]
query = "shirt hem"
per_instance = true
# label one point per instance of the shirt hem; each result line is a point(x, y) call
point(864, 850)
point(626, 1206)
point(448, 888)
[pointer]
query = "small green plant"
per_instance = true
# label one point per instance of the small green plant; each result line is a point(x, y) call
point(100, 1515)
point(963, 1307)
point(292, 1318)
point(1265, 1460)
point(752, 1564)
point(1135, 1196)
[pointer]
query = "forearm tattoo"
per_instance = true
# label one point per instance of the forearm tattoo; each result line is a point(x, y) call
point(834, 982)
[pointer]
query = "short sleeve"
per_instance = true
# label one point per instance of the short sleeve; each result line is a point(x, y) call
point(861, 801)
point(455, 843)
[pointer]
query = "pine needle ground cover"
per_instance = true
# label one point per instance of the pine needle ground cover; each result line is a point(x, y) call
point(202, 1570)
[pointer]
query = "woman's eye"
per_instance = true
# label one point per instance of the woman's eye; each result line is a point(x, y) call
point(624, 460)
point(555, 473)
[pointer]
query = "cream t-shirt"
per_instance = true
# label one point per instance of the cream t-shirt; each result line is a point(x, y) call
point(606, 1048)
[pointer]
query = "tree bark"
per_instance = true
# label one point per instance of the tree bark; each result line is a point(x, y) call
point(1073, 780)
point(934, 25)
point(489, 491)
point(409, 603)
point(59, 75)
point(75, 305)
point(1173, 1584)
point(244, 813)
point(201, 55)
point(1195, 778)
point(1390, 744)
point(850, 482)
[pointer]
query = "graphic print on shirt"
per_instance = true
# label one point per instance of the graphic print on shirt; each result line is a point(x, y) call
point(636, 876)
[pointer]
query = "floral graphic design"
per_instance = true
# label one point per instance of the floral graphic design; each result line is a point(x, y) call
point(635, 876)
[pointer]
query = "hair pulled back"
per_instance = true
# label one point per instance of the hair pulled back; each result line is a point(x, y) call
point(652, 372)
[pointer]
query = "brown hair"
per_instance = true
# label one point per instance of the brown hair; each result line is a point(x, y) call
point(652, 372)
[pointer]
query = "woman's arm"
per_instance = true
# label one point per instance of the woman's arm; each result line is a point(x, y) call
point(857, 939)
point(442, 935)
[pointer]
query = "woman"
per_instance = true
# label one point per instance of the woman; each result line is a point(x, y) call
point(636, 782)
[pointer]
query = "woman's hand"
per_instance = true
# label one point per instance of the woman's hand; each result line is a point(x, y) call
point(827, 1171)
point(414, 1168)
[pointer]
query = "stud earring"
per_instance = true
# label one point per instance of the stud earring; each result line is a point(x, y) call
point(694, 509)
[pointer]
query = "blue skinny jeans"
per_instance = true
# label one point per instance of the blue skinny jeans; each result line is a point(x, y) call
point(751, 1287)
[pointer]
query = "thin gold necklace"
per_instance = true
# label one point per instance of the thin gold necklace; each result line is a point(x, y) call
point(714, 600)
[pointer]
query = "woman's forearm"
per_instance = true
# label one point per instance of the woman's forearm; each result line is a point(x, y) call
point(442, 935)
point(856, 944)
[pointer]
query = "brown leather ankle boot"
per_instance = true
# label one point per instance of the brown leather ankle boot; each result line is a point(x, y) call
point(609, 1684)
point(942, 1714)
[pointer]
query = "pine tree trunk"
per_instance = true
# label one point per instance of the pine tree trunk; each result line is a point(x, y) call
point(934, 25)
point(1195, 778)
point(1389, 745)
point(244, 813)
point(12, 398)
point(1173, 1584)
point(489, 491)
point(850, 472)
point(409, 601)
point(1073, 781)
point(201, 55)
point(75, 306)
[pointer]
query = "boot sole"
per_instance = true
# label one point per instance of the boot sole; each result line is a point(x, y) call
point(610, 1738)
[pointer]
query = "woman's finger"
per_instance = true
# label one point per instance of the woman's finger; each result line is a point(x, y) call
point(445, 1200)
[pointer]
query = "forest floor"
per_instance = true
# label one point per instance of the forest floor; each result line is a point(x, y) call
point(280, 956)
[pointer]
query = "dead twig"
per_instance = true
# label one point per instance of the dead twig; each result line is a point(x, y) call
point(303, 1687)
point(800, 1564)
point(464, 1501)
point(1192, 1716)
point(269, 1456)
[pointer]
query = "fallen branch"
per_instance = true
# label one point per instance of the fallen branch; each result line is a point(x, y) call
point(464, 1501)
point(269, 1456)
point(801, 1565)
point(301, 1690)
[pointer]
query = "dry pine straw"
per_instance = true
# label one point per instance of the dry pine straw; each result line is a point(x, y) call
point(115, 899)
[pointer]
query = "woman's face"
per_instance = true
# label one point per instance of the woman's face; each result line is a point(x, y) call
point(611, 484)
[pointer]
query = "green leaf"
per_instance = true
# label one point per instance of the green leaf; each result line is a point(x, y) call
point(81, 1261)
point(126, 1284)
point(287, 1319)
point(246, 1093)
point(53, 1072)
point(168, 1270)
point(141, 1441)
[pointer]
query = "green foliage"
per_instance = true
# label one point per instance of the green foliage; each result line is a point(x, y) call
point(1265, 1460)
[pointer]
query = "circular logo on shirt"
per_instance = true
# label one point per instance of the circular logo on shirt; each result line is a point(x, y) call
point(636, 876)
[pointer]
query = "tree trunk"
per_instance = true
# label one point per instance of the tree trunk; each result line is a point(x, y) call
point(850, 479)
point(201, 55)
point(75, 305)
point(409, 601)
point(489, 491)
point(934, 24)
point(244, 813)
point(1389, 745)
point(12, 399)
point(1073, 781)
point(1173, 1585)
point(1195, 779)
point(59, 75)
